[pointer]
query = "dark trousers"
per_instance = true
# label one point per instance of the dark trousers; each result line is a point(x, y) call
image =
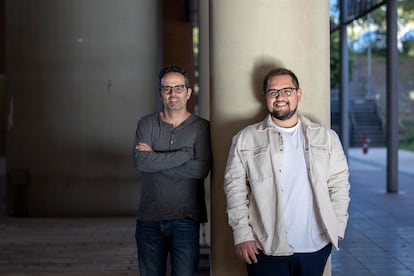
point(156, 239)
point(298, 264)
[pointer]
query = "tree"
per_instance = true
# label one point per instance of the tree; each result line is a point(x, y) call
point(406, 11)
point(335, 60)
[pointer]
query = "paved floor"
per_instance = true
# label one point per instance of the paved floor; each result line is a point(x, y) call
point(380, 234)
point(379, 238)
point(71, 246)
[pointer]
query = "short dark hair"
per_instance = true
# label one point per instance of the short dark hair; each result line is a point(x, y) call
point(172, 68)
point(279, 72)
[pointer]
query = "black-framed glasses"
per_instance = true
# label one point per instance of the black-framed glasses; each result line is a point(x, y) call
point(274, 93)
point(180, 88)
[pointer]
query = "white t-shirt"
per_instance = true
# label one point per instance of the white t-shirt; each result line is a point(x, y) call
point(303, 225)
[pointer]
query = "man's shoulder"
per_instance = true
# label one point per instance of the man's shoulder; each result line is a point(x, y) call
point(148, 121)
point(197, 120)
point(252, 127)
point(316, 131)
point(310, 124)
point(251, 130)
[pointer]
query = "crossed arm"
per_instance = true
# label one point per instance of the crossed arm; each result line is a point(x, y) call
point(186, 162)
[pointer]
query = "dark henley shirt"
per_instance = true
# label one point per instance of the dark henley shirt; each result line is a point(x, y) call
point(172, 176)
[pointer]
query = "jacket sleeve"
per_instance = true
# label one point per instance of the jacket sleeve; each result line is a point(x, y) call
point(338, 183)
point(237, 190)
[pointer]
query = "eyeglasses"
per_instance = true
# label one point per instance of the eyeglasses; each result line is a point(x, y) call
point(167, 89)
point(274, 93)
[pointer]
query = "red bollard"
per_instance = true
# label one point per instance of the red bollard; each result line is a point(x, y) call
point(365, 144)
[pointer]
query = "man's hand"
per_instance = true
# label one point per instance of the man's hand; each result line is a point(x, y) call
point(247, 251)
point(143, 147)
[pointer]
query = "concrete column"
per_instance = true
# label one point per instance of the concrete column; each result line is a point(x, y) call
point(246, 39)
point(79, 74)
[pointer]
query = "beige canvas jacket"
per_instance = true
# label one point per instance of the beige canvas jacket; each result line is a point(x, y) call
point(252, 177)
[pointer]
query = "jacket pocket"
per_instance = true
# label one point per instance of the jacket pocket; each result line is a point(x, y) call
point(258, 163)
point(319, 157)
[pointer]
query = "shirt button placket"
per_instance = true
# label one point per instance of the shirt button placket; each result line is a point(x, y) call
point(172, 139)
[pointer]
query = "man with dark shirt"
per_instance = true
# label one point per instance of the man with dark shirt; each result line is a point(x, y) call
point(172, 154)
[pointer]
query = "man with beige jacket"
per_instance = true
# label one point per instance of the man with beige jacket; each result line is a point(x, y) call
point(287, 187)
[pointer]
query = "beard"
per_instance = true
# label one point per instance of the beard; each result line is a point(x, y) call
point(283, 115)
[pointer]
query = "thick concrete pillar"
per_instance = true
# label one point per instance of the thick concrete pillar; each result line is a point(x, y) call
point(78, 76)
point(246, 39)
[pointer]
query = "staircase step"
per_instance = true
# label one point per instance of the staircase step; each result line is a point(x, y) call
point(364, 114)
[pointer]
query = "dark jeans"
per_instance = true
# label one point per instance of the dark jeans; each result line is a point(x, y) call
point(298, 264)
point(156, 239)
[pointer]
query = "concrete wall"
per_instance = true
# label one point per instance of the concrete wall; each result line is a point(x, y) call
point(79, 74)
